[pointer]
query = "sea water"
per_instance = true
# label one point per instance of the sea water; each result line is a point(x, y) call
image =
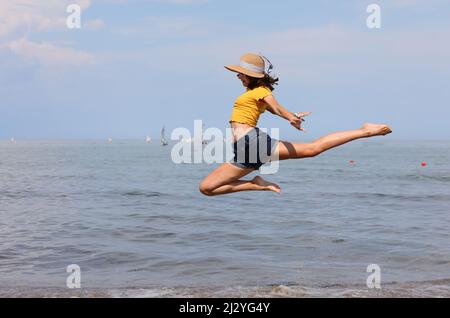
point(137, 226)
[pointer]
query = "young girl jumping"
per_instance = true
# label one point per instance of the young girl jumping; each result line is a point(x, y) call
point(252, 147)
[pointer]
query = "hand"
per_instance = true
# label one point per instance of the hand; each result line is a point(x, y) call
point(297, 120)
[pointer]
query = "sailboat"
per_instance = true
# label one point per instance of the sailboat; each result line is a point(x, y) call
point(109, 140)
point(148, 139)
point(13, 140)
point(163, 138)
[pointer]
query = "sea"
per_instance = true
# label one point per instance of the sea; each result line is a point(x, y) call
point(368, 219)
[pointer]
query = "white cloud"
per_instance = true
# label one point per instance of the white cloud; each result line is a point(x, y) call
point(410, 3)
point(185, 2)
point(309, 53)
point(49, 54)
point(21, 18)
point(159, 27)
point(405, 3)
point(94, 24)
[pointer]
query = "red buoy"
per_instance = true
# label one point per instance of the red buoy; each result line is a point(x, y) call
point(423, 164)
point(351, 162)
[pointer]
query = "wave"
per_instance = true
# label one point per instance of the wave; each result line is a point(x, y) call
point(415, 177)
point(409, 197)
point(143, 194)
point(414, 289)
point(24, 194)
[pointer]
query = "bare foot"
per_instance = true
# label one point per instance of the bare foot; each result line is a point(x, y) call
point(376, 129)
point(266, 184)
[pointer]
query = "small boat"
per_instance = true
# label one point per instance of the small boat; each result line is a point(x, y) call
point(148, 139)
point(109, 140)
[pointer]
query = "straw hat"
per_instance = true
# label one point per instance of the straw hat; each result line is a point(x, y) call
point(251, 64)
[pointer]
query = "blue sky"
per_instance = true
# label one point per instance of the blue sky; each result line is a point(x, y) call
point(136, 65)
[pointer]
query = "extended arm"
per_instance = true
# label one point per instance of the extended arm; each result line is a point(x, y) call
point(275, 108)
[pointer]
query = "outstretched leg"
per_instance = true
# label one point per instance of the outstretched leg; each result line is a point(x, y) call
point(292, 150)
point(225, 179)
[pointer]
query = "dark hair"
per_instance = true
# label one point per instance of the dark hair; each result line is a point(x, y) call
point(267, 81)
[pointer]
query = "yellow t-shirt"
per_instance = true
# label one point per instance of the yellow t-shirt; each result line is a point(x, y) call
point(250, 105)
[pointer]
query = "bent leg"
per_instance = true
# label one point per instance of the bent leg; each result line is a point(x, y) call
point(292, 150)
point(225, 179)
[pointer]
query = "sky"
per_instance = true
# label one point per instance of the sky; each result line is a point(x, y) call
point(136, 65)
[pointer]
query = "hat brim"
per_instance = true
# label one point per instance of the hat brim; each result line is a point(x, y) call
point(240, 69)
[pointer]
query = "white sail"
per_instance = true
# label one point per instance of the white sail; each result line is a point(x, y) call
point(148, 139)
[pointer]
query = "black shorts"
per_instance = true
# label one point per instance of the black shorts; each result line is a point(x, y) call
point(253, 149)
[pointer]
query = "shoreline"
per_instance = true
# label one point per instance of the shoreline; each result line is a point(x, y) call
point(427, 289)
